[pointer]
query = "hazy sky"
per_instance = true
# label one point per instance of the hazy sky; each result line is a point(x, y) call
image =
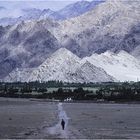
point(36, 4)
point(13, 7)
point(52, 4)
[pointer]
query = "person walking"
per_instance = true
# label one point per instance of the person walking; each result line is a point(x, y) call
point(63, 124)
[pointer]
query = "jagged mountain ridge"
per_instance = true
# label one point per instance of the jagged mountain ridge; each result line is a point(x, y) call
point(30, 44)
point(70, 11)
point(30, 14)
point(78, 8)
point(112, 25)
point(61, 66)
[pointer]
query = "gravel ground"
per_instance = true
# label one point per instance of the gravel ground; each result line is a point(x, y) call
point(23, 118)
point(104, 121)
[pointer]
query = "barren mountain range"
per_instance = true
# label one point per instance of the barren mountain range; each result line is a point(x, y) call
point(101, 44)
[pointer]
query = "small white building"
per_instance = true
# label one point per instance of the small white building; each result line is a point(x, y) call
point(68, 100)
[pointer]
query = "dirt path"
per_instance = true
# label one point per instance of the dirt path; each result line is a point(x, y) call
point(69, 132)
point(56, 131)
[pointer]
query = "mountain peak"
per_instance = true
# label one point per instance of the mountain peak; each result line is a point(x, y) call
point(47, 10)
point(63, 52)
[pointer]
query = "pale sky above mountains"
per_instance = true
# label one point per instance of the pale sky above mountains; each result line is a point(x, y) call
point(13, 7)
point(41, 4)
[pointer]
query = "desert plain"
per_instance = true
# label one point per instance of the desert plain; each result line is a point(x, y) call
point(40, 119)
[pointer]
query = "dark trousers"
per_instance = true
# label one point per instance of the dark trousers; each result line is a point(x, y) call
point(63, 126)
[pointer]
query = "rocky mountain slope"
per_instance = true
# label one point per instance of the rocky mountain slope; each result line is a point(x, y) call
point(113, 25)
point(78, 8)
point(30, 14)
point(25, 45)
point(65, 66)
point(18, 74)
point(123, 66)
point(62, 66)
point(67, 12)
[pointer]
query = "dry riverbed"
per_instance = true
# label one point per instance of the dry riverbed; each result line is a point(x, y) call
point(23, 118)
